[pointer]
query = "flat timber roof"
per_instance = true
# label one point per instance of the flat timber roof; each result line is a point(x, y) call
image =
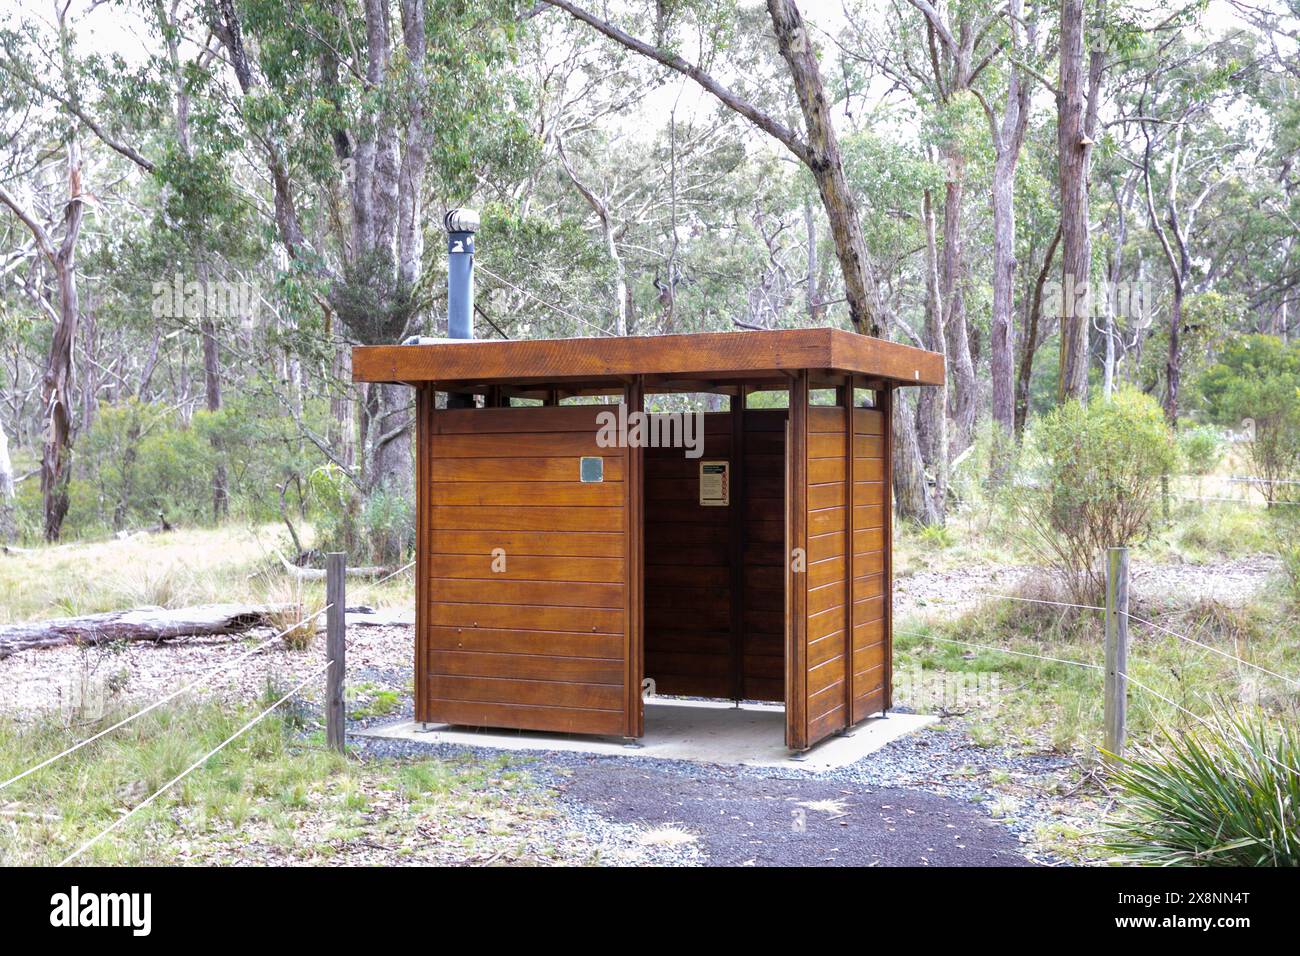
point(691, 362)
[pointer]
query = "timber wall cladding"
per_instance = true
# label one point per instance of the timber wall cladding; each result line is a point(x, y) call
point(869, 691)
point(542, 644)
point(763, 554)
point(827, 578)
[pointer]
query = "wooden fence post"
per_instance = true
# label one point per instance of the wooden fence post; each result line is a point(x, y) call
point(336, 564)
point(1116, 709)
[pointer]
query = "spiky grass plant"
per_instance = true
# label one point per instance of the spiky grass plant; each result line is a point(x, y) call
point(1224, 795)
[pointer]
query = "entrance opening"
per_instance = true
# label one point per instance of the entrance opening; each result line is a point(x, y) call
point(714, 561)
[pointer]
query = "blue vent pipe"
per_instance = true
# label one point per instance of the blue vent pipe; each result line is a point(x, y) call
point(461, 224)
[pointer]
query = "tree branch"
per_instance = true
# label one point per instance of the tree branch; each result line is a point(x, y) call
point(728, 98)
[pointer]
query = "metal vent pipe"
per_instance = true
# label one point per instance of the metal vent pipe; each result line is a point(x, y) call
point(461, 224)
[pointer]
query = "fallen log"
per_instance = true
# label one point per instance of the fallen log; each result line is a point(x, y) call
point(137, 624)
point(318, 574)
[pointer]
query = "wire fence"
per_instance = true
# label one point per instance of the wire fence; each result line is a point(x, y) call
point(194, 766)
point(212, 673)
point(207, 676)
point(1124, 672)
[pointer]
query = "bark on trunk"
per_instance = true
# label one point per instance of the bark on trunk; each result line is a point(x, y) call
point(1174, 358)
point(963, 396)
point(56, 386)
point(1033, 336)
point(388, 440)
point(816, 308)
point(827, 166)
point(1008, 138)
point(1075, 101)
point(911, 493)
point(932, 403)
point(7, 528)
point(139, 624)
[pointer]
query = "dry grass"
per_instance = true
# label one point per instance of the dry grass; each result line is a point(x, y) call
point(196, 566)
point(297, 608)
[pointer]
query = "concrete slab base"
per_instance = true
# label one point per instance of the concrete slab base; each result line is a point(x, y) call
point(700, 731)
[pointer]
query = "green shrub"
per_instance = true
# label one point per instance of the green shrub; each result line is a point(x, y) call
point(1255, 386)
point(1092, 482)
point(1200, 449)
point(1228, 795)
point(379, 529)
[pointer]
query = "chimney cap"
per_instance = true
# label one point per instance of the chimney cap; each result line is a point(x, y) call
point(461, 220)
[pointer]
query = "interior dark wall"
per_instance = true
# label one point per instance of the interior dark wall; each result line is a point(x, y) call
point(699, 640)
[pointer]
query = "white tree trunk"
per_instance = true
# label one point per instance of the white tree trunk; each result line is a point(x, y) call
point(6, 470)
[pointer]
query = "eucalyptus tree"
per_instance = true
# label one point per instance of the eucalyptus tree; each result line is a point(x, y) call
point(818, 148)
point(384, 103)
point(1187, 149)
point(54, 233)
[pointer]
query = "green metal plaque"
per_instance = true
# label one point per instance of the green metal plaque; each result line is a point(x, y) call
point(592, 469)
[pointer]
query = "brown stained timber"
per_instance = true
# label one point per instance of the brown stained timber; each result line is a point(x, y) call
point(606, 582)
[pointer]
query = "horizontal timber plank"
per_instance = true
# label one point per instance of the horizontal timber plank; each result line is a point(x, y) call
point(571, 494)
point(545, 643)
point(826, 446)
point(828, 723)
point(761, 688)
point(526, 567)
point(531, 543)
point(535, 445)
point(826, 520)
point(833, 495)
point(517, 420)
point(691, 685)
point(540, 518)
point(504, 690)
point(525, 717)
point(826, 597)
point(529, 616)
point(544, 593)
point(538, 667)
point(826, 420)
point(868, 421)
point(824, 546)
point(520, 469)
point(704, 665)
point(828, 648)
point(822, 470)
point(868, 704)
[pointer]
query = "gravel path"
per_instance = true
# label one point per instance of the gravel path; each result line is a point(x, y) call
point(741, 818)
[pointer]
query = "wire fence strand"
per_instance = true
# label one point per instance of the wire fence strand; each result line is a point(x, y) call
point(1002, 650)
point(192, 767)
point(215, 671)
point(1197, 717)
point(1012, 597)
point(1232, 657)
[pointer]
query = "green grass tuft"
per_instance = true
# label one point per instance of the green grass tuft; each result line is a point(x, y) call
point(1227, 794)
